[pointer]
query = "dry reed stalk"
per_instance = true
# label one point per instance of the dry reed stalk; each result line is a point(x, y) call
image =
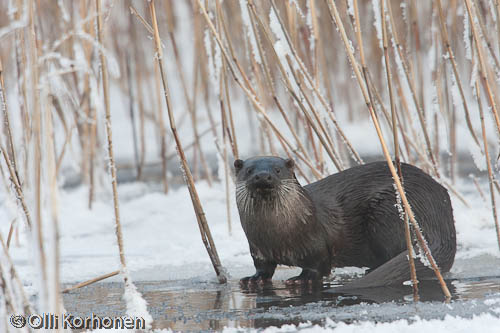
point(11, 231)
point(267, 75)
point(232, 133)
point(17, 186)
point(27, 308)
point(21, 62)
point(409, 79)
point(109, 134)
point(5, 111)
point(247, 92)
point(200, 215)
point(337, 160)
point(391, 121)
point(54, 298)
point(288, 84)
point(488, 163)
point(482, 66)
point(478, 187)
point(233, 53)
point(484, 34)
point(225, 131)
point(320, 97)
point(63, 149)
point(135, 145)
point(313, 125)
point(89, 282)
point(37, 232)
point(497, 12)
point(336, 18)
point(138, 75)
point(92, 153)
point(162, 130)
point(451, 57)
point(191, 109)
point(409, 246)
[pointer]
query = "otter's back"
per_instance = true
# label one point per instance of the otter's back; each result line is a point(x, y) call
point(364, 204)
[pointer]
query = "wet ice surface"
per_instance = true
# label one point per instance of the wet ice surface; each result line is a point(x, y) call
point(197, 304)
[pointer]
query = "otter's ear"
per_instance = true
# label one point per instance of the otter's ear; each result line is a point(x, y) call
point(289, 163)
point(238, 164)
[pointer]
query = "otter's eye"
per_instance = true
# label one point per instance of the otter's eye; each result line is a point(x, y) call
point(249, 170)
point(278, 170)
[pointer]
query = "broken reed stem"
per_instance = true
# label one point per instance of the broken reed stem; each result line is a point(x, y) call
point(91, 281)
point(200, 214)
point(109, 134)
point(409, 246)
point(336, 18)
point(488, 163)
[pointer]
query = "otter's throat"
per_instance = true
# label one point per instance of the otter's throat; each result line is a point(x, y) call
point(286, 203)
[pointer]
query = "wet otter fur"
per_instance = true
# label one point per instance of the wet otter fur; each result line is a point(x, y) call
point(347, 219)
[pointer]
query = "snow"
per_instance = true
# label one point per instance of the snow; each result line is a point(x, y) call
point(136, 305)
point(482, 323)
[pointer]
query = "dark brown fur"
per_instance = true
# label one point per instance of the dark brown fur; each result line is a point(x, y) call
point(346, 219)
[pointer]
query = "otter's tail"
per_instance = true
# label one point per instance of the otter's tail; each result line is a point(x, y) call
point(393, 272)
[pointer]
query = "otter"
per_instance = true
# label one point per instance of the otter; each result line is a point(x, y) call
point(350, 218)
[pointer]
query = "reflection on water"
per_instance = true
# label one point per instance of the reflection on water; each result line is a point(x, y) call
point(193, 305)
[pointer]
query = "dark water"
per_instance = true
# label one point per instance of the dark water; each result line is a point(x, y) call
point(194, 305)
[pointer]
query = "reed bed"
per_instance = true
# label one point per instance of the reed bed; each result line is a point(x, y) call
point(304, 79)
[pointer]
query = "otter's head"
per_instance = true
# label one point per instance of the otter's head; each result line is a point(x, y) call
point(264, 176)
point(267, 190)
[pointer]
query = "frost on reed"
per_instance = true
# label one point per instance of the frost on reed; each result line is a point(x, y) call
point(245, 77)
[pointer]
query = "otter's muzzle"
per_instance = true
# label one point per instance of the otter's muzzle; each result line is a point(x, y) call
point(263, 181)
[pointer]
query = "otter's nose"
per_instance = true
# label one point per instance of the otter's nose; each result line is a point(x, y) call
point(263, 179)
